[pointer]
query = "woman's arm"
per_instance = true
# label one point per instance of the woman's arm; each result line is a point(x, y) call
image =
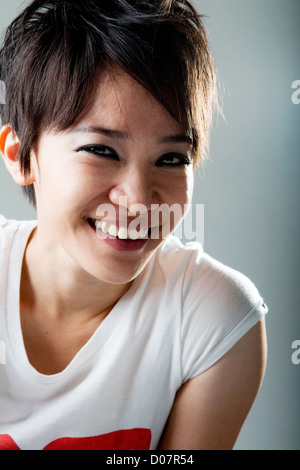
point(209, 410)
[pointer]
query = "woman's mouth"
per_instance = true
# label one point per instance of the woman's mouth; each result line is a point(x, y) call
point(122, 233)
point(121, 238)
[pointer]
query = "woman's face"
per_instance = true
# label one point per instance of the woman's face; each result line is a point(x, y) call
point(126, 150)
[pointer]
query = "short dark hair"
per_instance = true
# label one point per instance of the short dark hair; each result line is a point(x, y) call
point(54, 51)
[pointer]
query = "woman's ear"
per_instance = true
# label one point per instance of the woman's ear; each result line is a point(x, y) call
point(9, 148)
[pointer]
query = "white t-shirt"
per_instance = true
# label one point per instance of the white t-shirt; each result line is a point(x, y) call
point(180, 316)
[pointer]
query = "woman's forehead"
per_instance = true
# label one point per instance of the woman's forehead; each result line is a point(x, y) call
point(122, 105)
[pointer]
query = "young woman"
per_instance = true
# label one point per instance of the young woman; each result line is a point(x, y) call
point(117, 335)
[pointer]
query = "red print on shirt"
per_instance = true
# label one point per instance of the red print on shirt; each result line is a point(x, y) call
point(129, 439)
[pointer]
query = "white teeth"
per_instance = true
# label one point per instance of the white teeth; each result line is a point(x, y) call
point(122, 233)
point(113, 231)
point(134, 234)
point(104, 227)
point(101, 226)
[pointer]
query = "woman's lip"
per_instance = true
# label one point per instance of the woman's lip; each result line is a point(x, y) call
point(135, 230)
point(121, 245)
point(126, 245)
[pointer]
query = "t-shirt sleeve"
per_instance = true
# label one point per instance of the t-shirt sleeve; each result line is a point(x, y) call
point(219, 306)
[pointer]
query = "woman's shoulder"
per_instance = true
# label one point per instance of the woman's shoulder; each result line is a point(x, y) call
point(205, 277)
point(9, 228)
point(11, 225)
point(3, 220)
point(219, 305)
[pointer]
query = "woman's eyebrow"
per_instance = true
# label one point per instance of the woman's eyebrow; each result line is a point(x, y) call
point(172, 139)
point(177, 139)
point(101, 130)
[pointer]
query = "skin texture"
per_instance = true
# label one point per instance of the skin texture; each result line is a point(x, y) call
point(71, 181)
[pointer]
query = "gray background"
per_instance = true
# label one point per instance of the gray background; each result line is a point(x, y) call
point(250, 188)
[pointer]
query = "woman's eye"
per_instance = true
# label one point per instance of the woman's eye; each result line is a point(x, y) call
point(100, 150)
point(173, 159)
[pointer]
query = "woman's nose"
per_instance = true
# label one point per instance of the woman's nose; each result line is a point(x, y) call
point(133, 188)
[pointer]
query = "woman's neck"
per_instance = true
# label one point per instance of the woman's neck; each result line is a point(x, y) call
point(51, 280)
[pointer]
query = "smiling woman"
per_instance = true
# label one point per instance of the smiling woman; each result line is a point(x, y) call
point(118, 336)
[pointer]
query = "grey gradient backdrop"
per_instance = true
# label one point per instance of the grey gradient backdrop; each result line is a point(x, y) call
point(250, 188)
